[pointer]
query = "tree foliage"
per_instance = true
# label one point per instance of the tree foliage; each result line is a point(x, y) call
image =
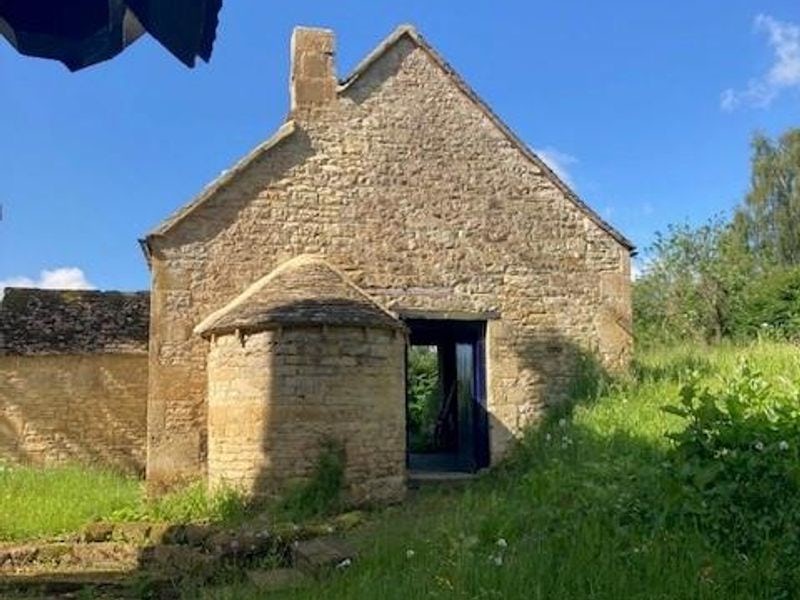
point(731, 277)
point(770, 214)
point(692, 283)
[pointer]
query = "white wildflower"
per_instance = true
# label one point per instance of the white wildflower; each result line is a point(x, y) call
point(502, 543)
point(344, 564)
point(562, 422)
point(783, 445)
point(410, 553)
point(496, 559)
point(759, 446)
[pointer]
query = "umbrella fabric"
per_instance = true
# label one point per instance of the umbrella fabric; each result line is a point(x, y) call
point(80, 33)
point(186, 28)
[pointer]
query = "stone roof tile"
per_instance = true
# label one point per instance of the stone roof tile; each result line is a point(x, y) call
point(306, 290)
point(36, 321)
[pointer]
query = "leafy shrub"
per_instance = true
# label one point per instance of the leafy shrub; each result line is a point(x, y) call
point(772, 306)
point(322, 494)
point(736, 462)
point(423, 397)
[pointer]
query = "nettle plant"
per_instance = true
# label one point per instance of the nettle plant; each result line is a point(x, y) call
point(736, 463)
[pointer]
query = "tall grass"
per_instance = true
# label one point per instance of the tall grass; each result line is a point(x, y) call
point(37, 502)
point(42, 502)
point(579, 511)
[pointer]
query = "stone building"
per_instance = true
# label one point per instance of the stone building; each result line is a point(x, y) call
point(301, 358)
point(73, 377)
point(421, 206)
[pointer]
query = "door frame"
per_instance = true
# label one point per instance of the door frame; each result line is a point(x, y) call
point(438, 331)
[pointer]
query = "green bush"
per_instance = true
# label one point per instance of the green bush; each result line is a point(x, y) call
point(423, 397)
point(771, 306)
point(736, 461)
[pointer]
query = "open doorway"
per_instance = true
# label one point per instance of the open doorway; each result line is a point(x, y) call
point(446, 396)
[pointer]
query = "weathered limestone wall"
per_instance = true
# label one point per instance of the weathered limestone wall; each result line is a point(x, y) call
point(407, 185)
point(274, 397)
point(74, 408)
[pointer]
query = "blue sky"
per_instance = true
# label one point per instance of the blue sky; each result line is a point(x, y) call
point(647, 108)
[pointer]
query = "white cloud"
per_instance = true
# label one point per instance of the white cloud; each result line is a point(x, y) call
point(63, 278)
point(784, 73)
point(559, 162)
point(636, 271)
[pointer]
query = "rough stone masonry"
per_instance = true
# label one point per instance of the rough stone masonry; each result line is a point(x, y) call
point(73, 377)
point(400, 176)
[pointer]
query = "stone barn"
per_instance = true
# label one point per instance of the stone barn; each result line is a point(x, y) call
point(392, 210)
point(73, 377)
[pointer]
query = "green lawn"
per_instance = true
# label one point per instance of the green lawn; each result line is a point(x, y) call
point(580, 512)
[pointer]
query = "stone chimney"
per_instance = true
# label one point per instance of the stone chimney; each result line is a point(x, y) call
point(313, 78)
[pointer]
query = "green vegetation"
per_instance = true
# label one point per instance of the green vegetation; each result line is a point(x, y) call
point(41, 502)
point(38, 503)
point(598, 505)
point(424, 397)
point(322, 494)
point(731, 278)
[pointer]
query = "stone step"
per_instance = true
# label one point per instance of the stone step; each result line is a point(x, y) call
point(54, 583)
point(321, 554)
point(418, 479)
point(103, 556)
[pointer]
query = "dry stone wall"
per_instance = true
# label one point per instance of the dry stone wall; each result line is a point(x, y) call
point(57, 409)
point(73, 377)
point(407, 185)
point(275, 398)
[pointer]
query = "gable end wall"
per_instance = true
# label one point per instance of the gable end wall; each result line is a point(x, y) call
point(408, 187)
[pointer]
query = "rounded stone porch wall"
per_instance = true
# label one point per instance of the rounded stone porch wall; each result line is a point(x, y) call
point(276, 396)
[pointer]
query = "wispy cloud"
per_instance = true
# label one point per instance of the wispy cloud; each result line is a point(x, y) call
point(559, 161)
point(636, 271)
point(63, 278)
point(784, 73)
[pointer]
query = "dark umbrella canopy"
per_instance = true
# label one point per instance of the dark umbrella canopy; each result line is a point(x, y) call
point(81, 33)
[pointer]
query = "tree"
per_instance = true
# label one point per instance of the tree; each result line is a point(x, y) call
point(692, 282)
point(770, 215)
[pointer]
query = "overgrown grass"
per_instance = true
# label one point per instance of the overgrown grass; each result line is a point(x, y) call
point(580, 511)
point(36, 503)
point(42, 502)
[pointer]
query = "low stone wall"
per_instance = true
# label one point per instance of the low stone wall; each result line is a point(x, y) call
point(74, 408)
point(275, 397)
